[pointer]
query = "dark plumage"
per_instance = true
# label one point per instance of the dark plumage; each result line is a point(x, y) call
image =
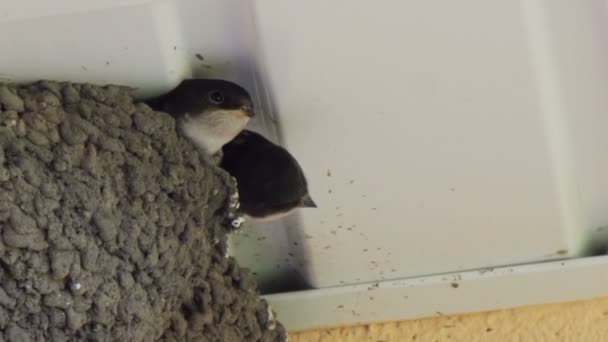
point(270, 181)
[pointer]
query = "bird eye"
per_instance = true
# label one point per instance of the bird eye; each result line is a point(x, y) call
point(216, 97)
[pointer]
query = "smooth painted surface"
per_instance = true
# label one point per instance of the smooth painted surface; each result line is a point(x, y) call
point(446, 294)
point(137, 43)
point(437, 137)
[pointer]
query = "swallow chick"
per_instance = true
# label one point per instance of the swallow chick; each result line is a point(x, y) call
point(270, 182)
point(209, 112)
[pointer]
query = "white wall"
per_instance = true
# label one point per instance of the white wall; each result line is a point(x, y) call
point(457, 134)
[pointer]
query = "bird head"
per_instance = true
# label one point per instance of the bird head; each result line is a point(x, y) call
point(209, 112)
point(224, 96)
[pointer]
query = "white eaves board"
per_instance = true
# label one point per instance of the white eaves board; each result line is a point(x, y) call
point(436, 136)
point(446, 294)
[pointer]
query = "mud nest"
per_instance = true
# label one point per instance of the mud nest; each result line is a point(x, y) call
point(112, 225)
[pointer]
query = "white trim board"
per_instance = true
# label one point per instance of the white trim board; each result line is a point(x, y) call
point(453, 293)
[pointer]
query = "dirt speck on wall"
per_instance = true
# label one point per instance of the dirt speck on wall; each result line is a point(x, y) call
point(111, 225)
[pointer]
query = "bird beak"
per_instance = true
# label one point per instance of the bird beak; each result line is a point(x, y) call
point(248, 111)
point(307, 202)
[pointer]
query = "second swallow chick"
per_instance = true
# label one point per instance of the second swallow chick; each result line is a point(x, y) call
point(270, 181)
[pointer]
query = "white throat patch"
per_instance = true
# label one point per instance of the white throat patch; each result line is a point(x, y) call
point(213, 129)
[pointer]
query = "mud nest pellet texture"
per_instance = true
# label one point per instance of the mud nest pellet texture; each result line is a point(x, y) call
point(112, 225)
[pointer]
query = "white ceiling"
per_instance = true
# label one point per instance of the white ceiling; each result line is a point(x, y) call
point(438, 136)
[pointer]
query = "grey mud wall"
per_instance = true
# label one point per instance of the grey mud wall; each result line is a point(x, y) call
point(112, 225)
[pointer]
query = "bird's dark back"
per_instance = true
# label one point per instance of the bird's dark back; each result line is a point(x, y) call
point(267, 175)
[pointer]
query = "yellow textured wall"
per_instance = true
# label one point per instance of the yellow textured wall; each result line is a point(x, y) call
point(579, 321)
